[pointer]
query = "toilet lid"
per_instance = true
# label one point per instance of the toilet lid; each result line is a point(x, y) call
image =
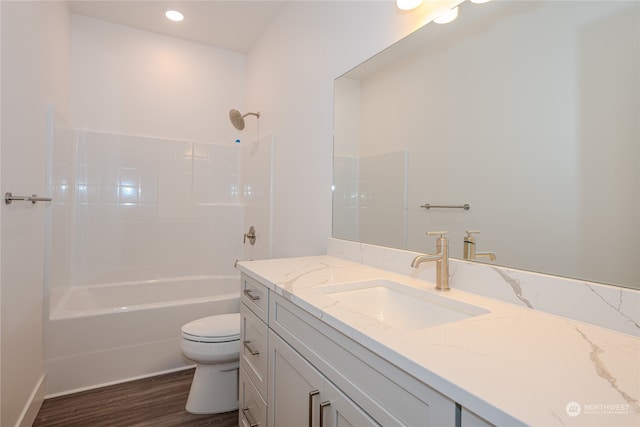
point(219, 328)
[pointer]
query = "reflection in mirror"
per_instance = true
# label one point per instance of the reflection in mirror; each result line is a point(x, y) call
point(526, 111)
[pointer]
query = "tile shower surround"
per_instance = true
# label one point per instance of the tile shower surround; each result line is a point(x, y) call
point(143, 208)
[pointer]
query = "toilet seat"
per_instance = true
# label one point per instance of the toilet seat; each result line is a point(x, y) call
point(213, 329)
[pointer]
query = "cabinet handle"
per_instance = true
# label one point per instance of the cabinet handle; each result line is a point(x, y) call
point(249, 293)
point(312, 394)
point(249, 417)
point(322, 406)
point(248, 346)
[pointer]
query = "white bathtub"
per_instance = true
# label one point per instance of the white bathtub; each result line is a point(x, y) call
point(130, 296)
point(104, 334)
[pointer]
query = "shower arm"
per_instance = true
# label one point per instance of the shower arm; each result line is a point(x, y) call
point(237, 118)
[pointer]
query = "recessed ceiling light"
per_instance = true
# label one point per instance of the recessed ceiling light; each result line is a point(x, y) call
point(408, 4)
point(174, 15)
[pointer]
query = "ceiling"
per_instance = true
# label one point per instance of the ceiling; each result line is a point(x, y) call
point(231, 25)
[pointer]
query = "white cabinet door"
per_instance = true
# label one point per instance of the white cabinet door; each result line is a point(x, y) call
point(300, 396)
point(340, 411)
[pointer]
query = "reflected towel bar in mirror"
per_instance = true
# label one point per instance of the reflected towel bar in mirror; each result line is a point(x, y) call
point(466, 207)
point(8, 198)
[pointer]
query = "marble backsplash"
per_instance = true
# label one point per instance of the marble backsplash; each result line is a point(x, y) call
point(606, 306)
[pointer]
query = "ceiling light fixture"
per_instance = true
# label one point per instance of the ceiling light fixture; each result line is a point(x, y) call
point(174, 15)
point(447, 17)
point(408, 4)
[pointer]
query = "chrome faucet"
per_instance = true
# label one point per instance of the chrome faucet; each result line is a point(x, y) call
point(469, 251)
point(441, 258)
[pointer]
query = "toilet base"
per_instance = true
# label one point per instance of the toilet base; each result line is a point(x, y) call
point(214, 389)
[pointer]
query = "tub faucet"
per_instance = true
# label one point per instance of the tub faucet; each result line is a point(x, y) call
point(441, 258)
point(469, 252)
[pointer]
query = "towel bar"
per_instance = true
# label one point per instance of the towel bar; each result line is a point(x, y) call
point(466, 207)
point(8, 198)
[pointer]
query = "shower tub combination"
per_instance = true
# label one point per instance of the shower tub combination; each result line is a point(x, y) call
point(104, 334)
point(157, 206)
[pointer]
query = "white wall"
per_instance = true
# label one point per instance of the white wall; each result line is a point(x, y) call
point(35, 58)
point(290, 80)
point(135, 82)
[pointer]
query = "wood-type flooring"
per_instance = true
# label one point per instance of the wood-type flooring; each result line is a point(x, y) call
point(154, 401)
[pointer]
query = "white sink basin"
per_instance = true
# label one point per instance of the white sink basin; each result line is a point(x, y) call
point(399, 306)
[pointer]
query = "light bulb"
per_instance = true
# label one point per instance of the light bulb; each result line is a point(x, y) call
point(408, 4)
point(174, 15)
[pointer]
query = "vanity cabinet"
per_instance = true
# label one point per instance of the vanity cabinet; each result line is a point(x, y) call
point(301, 396)
point(295, 371)
point(385, 393)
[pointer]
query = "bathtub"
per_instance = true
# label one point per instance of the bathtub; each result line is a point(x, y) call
point(104, 334)
point(114, 298)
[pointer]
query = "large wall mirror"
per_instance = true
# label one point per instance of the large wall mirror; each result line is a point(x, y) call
point(527, 111)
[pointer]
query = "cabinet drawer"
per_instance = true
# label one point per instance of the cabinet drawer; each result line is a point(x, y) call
point(253, 409)
point(254, 335)
point(388, 394)
point(255, 295)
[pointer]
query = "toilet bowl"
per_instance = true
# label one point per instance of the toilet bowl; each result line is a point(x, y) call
point(214, 344)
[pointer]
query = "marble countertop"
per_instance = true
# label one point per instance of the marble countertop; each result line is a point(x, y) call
point(511, 366)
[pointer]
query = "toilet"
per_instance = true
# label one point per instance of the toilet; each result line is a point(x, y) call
point(214, 344)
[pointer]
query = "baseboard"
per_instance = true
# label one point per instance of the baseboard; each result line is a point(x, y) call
point(30, 410)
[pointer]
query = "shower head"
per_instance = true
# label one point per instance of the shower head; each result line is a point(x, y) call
point(237, 119)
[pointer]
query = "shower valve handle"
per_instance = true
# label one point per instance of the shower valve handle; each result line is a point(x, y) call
point(251, 235)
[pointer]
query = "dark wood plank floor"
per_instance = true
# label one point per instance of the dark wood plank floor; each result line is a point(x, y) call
point(155, 401)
